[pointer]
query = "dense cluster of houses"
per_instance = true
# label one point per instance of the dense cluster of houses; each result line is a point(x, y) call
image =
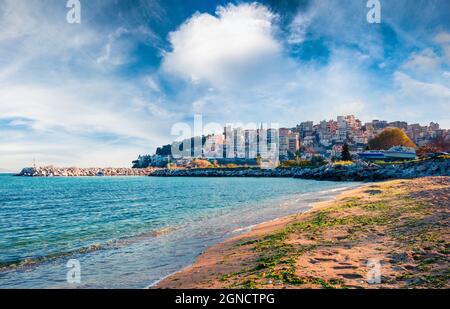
point(326, 138)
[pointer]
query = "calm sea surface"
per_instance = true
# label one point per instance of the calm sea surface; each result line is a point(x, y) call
point(129, 232)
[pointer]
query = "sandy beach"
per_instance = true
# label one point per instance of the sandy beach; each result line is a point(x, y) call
point(396, 229)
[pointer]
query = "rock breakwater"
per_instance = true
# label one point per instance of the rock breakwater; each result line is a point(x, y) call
point(50, 171)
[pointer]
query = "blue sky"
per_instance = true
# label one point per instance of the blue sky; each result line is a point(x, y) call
point(100, 92)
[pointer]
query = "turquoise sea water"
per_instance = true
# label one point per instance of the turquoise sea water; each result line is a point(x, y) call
point(129, 232)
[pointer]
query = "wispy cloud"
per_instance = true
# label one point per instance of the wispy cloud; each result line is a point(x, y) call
point(101, 92)
point(56, 88)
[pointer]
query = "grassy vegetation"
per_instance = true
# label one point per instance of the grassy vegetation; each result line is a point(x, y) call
point(296, 163)
point(389, 209)
point(382, 162)
point(315, 161)
point(343, 163)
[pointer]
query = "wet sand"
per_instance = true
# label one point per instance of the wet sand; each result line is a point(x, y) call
point(392, 234)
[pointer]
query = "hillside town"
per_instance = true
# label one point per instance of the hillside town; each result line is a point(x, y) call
point(325, 139)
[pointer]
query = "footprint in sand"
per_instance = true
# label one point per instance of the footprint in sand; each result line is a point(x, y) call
point(351, 276)
point(345, 267)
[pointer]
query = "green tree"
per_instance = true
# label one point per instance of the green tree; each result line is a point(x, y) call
point(391, 137)
point(165, 150)
point(345, 154)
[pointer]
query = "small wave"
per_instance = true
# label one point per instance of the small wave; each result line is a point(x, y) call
point(164, 231)
point(111, 244)
point(244, 229)
point(33, 261)
point(162, 278)
point(338, 189)
point(300, 198)
point(249, 228)
point(142, 236)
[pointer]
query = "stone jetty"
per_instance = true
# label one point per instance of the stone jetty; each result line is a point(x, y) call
point(50, 171)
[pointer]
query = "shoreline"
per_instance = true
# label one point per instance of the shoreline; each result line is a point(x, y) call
point(242, 231)
point(245, 260)
point(357, 171)
point(239, 220)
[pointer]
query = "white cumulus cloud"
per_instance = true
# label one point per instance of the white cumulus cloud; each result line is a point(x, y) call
point(211, 48)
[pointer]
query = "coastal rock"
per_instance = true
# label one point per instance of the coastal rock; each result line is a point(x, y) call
point(360, 171)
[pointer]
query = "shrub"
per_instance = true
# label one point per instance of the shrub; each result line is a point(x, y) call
point(231, 165)
point(171, 165)
point(295, 163)
point(423, 151)
point(200, 163)
point(315, 161)
point(343, 162)
point(318, 161)
point(391, 137)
